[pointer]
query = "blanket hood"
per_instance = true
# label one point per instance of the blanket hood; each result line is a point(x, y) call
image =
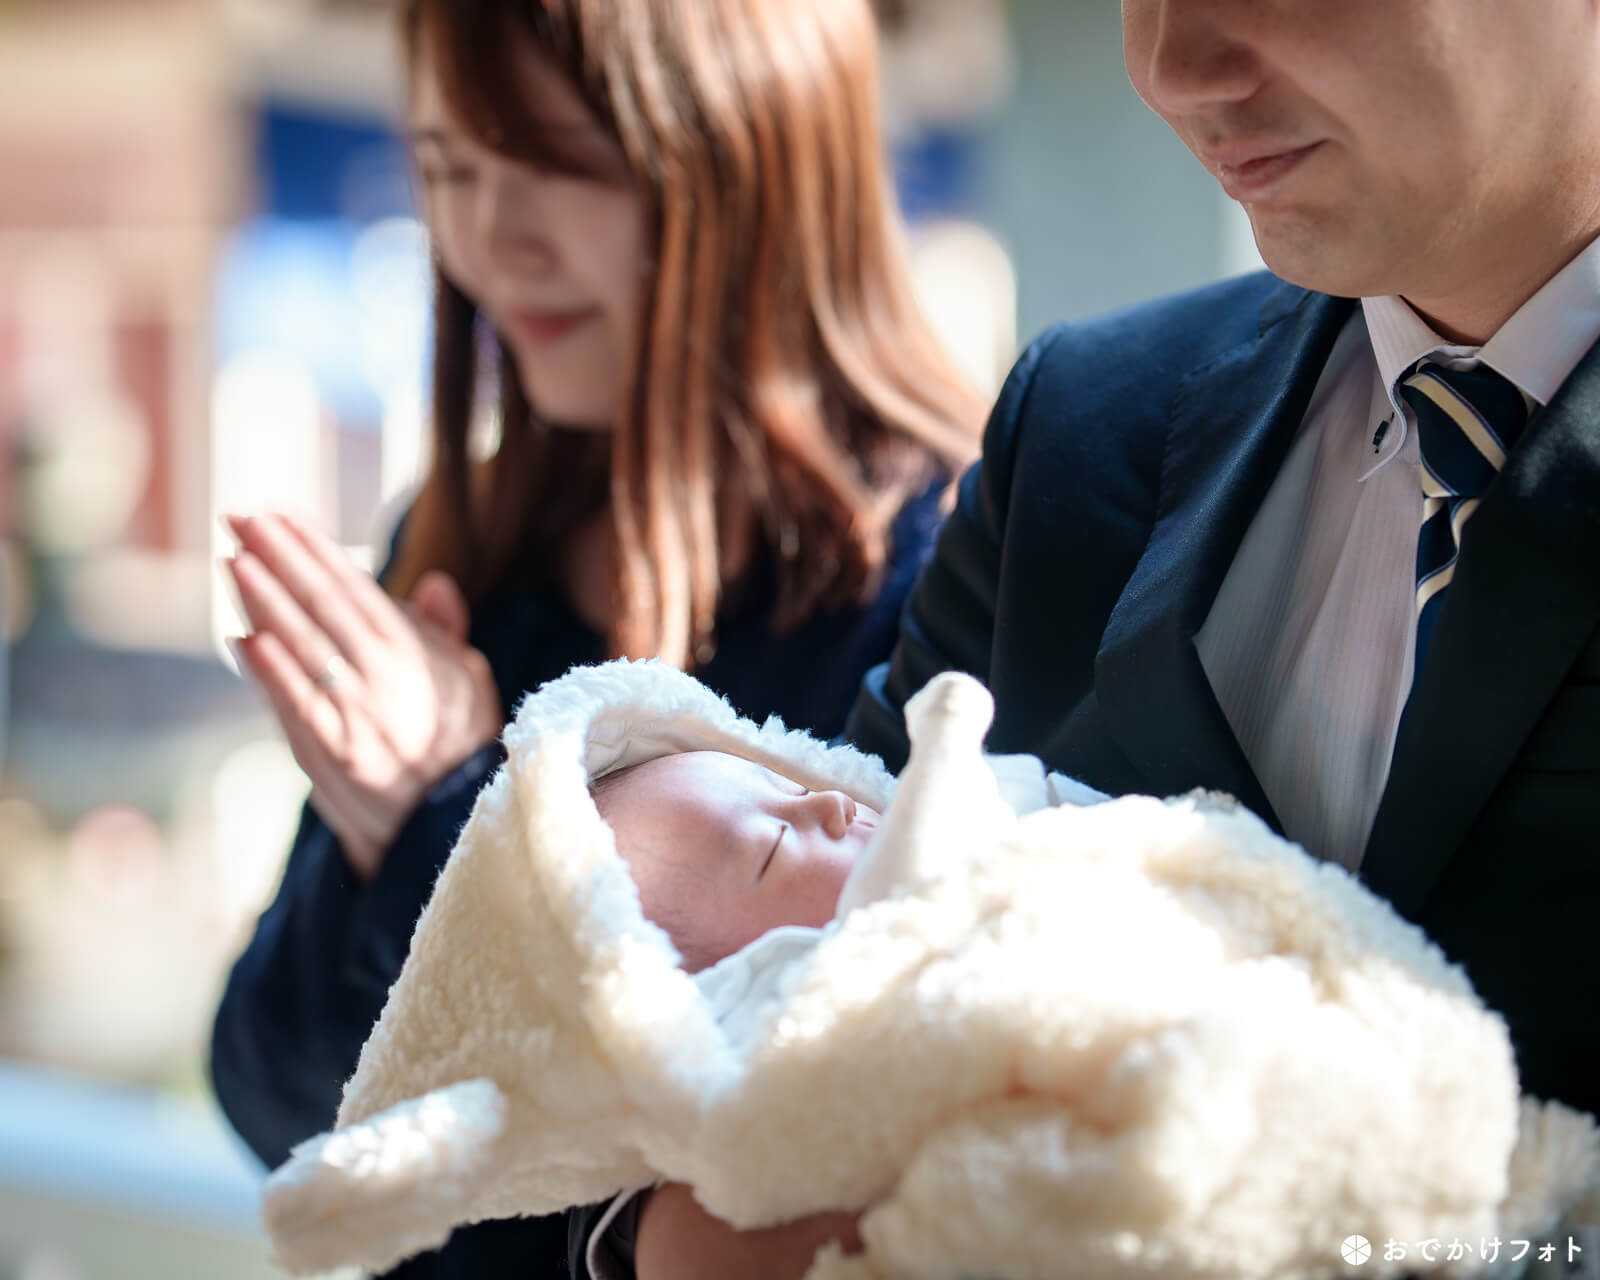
point(534, 977)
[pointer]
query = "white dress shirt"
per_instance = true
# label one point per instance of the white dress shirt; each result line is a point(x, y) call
point(1309, 643)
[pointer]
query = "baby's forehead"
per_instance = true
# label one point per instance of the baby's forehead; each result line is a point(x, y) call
point(691, 768)
point(683, 776)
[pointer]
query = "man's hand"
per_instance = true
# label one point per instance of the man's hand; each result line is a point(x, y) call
point(678, 1240)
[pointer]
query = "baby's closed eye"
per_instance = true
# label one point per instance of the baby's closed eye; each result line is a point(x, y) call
point(772, 849)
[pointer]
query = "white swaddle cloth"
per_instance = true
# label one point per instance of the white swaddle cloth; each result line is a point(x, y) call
point(1130, 1038)
point(739, 987)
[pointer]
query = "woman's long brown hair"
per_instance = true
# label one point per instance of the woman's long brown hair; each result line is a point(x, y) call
point(786, 380)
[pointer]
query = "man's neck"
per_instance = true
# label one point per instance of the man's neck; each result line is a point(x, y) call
point(1472, 313)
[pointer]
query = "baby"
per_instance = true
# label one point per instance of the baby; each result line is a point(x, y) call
point(742, 866)
point(724, 850)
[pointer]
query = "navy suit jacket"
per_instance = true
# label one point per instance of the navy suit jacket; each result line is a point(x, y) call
point(1122, 466)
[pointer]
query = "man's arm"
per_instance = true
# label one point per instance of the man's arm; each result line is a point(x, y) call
point(948, 623)
point(678, 1240)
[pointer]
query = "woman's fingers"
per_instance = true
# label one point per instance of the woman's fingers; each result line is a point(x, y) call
point(324, 597)
point(356, 585)
point(323, 738)
point(377, 699)
point(294, 695)
point(273, 611)
point(326, 743)
point(438, 601)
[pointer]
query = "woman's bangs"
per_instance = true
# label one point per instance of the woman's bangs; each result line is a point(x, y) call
point(477, 48)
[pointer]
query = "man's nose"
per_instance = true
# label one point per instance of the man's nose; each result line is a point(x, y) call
point(1188, 55)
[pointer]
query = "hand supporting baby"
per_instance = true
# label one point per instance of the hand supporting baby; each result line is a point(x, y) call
point(679, 1240)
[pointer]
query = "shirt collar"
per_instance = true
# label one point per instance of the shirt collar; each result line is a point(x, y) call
point(1536, 348)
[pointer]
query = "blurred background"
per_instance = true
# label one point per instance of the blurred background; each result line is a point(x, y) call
point(213, 296)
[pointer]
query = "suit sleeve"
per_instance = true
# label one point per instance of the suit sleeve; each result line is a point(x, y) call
point(948, 622)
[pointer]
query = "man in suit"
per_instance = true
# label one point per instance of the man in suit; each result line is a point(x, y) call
point(1190, 555)
point(1329, 539)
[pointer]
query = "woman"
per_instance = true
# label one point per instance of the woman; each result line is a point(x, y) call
point(663, 231)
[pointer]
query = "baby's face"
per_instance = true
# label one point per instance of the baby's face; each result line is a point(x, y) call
point(723, 850)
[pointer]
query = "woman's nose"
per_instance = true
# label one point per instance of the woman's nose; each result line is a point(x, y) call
point(508, 217)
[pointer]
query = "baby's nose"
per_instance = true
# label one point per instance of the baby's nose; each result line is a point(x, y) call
point(838, 811)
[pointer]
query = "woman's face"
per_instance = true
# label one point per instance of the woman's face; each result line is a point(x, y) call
point(558, 262)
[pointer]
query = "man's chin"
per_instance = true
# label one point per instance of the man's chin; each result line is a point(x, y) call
point(1303, 252)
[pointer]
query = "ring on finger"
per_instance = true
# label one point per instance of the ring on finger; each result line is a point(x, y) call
point(334, 672)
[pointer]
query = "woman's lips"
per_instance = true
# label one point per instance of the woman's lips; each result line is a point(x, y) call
point(545, 327)
point(1254, 178)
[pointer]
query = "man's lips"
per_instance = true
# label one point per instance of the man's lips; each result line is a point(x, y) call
point(1249, 173)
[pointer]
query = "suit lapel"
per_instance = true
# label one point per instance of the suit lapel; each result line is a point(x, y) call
point(1524, 600)
point(1231, 427)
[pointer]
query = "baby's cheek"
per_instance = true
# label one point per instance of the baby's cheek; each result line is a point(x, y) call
point(737, 921)
point(817, 889)
point(839, 868)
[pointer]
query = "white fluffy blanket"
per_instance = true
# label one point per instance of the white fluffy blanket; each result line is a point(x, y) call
point(1142, 1038)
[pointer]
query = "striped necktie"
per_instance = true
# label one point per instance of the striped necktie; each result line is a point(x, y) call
point(1467, 421)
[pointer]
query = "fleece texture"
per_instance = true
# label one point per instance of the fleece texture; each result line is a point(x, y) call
point(1146, 1037)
